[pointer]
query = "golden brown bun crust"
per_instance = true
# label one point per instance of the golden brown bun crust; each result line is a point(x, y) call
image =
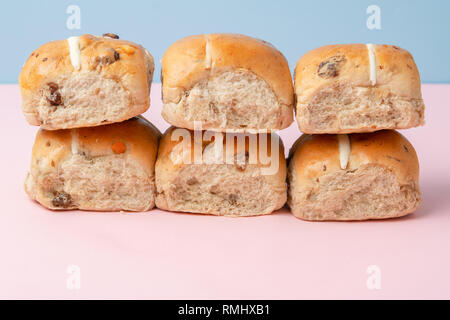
point(139, 137)
point(396, 70)
point(128, 64)
point(387, 148)
point(52, 59)
point(192, 59)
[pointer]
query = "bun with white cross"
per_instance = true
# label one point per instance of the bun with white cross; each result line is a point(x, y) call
point(103, 168)
point(357, 88)
point(85, 81)
point(357, 176)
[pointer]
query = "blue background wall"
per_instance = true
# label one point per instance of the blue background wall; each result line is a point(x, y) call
point(294, 27)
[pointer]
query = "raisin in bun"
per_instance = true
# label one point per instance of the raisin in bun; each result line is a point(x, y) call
point(230, 82)
point(246, 178)
point(353, 177)
point(85, 81)
point(105, 168)
point(357, 88)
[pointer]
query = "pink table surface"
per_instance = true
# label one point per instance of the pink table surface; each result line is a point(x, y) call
point(163, 255)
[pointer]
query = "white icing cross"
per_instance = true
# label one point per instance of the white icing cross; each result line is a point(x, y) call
point(344, 150)
point(75, 53)
point(373, 63)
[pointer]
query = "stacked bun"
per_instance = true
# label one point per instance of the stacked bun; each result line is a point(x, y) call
point(229, 82)
point(239, 89)
point(355, 89)
point(102, 83)
point(234, 174)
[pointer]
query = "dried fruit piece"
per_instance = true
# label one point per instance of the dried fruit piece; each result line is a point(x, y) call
point(330, 68)
point(127, 49)
point(118, 147)
point(62, 200)
point(110, 35)
point(191, 181)
point(108, 57)
point(232, 199)
point(116, 55)
point(53, 96)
